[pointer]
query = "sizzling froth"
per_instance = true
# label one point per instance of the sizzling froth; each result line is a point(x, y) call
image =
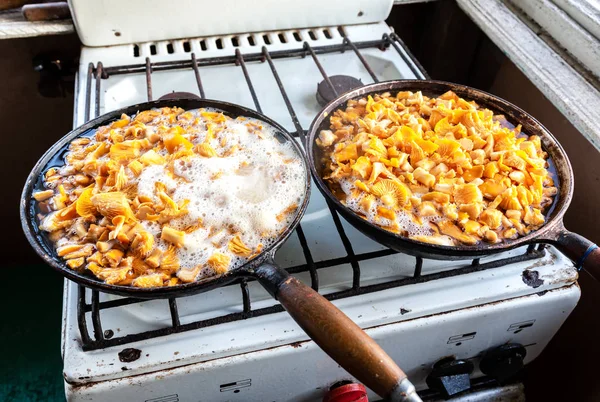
point(172, 196)
point(245, 191)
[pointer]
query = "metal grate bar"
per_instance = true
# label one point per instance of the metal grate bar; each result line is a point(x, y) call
point(410, 60)
point(242, 64)
point(81, 321)
point(93, 345)
point(148, 78)
point(418, 267)
point(343, 260)
point(96, 323)
point(334, 215)
point(88, 91)
point(321, 69)
point(312, 269)
point(125, 301)
point(246, 297)
point(174, 313)
point(348, 42)
point(292, 270)
point(197, 74)
point(216, 61)
point(284, 95)
point(99, 73)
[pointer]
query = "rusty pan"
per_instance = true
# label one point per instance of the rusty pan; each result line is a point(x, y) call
point(583, 252)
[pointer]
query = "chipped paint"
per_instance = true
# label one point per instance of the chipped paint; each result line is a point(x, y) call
point(532, 278)
point(129, 355)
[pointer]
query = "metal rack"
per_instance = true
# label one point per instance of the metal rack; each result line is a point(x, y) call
point(103, 339)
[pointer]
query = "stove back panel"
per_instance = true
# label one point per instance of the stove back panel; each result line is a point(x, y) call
point(114, 22)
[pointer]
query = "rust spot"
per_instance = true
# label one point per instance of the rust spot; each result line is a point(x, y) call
point(175, 353)
point(296, 344)
point(129, 355)
point(532, 278)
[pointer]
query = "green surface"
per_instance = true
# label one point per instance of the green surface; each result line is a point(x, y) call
point(31, 368)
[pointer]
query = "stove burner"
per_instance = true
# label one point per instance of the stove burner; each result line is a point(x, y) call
point(179, 95)
point(341, 83)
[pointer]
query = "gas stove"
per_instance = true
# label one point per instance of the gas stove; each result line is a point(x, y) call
point(235, 342)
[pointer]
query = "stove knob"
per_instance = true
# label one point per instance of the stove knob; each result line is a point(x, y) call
point(346, 391)
point(503, 362)
point(450, 376)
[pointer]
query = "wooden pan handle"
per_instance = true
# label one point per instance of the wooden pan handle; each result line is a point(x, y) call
point(343, 340)
point(47, 11)
point(583, 252)
point(8, 4)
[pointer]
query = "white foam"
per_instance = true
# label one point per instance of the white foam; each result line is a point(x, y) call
point(404, 220)
point(151, 227)
point(244, 191)
point(149, 176)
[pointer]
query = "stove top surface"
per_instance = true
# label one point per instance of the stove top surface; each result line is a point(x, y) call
point(390, 288)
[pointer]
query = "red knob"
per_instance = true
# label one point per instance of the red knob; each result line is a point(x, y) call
point(347, 393)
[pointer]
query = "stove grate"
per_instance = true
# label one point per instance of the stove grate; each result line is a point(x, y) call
point(98, 72)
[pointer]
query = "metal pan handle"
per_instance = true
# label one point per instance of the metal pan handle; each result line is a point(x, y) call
point(584, 253)
point(343, 340)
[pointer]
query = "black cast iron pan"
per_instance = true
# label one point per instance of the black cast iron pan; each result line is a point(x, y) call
point(582, 251)
point(335, 333)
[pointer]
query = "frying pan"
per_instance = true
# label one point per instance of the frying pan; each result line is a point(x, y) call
point(582, 251)
point(335, 333)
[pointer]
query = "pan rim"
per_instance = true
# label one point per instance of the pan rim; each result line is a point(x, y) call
point(462, 251)
point(33, 235)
